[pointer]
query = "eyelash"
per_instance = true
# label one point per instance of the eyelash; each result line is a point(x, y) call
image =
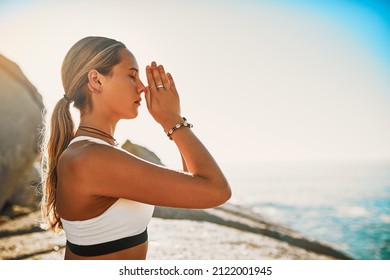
point(133, 77)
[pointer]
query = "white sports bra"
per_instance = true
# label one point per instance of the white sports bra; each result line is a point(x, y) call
point(123, 225)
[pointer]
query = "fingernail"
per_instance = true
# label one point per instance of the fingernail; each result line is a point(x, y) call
point(161, 67)
point(148, 68)
point(154, 63)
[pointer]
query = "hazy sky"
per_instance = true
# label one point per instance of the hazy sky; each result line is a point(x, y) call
point(260, 80)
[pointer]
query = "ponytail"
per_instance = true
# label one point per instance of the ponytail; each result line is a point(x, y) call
point(61, 133)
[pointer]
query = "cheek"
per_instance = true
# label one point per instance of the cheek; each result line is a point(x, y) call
point(127, 85)
point(120, 91)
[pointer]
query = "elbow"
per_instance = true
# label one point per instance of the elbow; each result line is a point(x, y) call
point(222, 195)
point(211, 194)
point(227, 193)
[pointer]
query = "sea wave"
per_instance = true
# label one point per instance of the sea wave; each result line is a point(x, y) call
point(385, 218)
point(352, 212)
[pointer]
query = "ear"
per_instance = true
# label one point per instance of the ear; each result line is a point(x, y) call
point(94, 84)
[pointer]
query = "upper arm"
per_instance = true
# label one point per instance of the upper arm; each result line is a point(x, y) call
point(114, 173)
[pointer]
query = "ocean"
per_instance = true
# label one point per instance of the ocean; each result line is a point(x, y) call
point(343, 204)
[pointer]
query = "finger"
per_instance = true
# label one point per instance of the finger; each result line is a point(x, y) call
point(172, 83)
point(148, 98)
point(149, 77)
point(164, 77)
point(156, 75)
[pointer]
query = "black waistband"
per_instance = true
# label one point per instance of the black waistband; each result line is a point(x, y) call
point(108, 247)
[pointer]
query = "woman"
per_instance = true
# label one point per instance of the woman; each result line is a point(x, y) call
point(101, 195)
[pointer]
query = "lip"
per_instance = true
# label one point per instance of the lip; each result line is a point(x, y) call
point(138, 102)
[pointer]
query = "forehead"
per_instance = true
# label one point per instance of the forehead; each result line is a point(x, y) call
point(128, 60)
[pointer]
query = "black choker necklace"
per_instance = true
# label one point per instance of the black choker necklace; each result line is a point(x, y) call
point(91, 129)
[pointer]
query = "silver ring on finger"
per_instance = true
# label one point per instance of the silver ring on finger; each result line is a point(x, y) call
point(160, 86)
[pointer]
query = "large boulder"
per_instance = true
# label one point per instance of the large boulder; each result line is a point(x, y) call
point(21, 111)
point(141, 152)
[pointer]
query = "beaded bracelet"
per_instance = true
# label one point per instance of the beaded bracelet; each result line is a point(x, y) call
point(177, 126)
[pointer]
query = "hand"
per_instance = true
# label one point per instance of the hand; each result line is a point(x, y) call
point(161, 97)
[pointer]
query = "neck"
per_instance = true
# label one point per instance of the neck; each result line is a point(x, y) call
point(99, 123)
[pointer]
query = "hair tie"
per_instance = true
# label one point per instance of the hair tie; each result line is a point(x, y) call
point(66, 98)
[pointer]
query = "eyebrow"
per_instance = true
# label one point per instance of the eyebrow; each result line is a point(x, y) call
point(132, 68)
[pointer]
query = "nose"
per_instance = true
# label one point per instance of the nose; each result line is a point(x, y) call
point(140, 87)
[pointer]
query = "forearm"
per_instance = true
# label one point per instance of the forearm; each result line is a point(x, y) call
point(196, 158)
point(185, 168)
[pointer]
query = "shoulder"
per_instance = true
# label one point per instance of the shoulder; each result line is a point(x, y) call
point(85, 155)
point(103, 171)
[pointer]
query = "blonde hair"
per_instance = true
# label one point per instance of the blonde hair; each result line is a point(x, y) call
point(90, 53)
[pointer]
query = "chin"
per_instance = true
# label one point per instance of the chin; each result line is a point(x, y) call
point(130, 116)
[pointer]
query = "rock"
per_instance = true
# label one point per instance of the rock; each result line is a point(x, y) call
point(26, 193)
point(141, 152)
point(243, 219)
point(22, 238)
point(21, 110)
